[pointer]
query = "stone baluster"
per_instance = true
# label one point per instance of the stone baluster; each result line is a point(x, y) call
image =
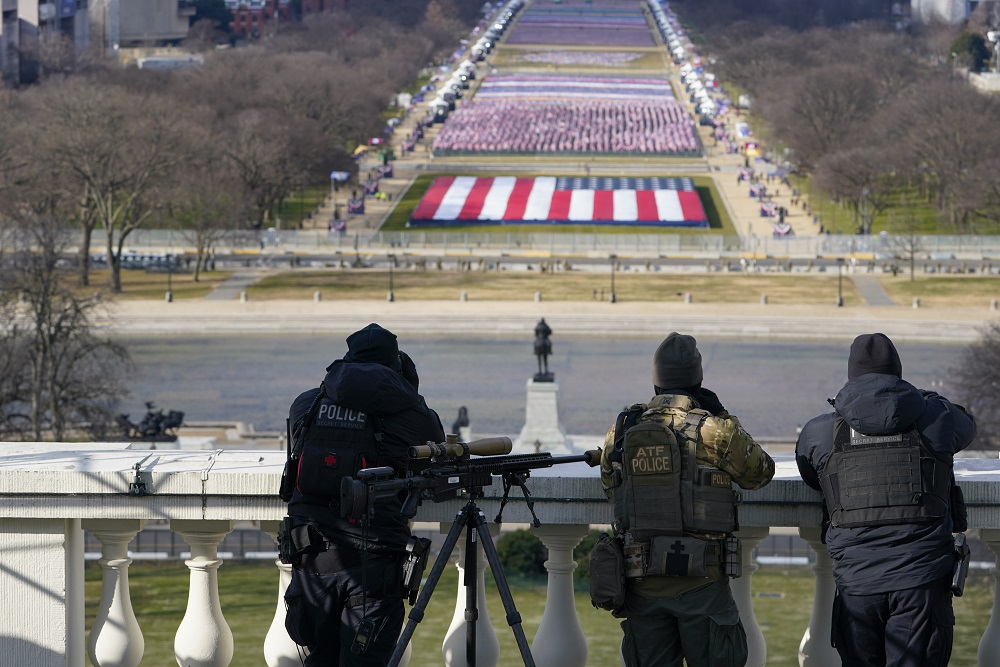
point(815, 649)
point(115, 638)
point(279, 649)
point(487, 644)
point(203, 638)
point(989, 645)
point(742, 589)
point(559, 641)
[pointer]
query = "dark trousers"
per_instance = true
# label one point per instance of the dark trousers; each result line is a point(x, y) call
point(334, 594)
point(909, 628)
point(701, 626)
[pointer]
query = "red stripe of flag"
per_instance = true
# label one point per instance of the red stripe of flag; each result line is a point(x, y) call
point(645, 202)
point(559, 208)
point(518, 200)
point(432, 198)
point(691, 205)
point(604, 205)
point(473, 205)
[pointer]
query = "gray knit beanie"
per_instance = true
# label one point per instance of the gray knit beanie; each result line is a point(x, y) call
point(677, 362)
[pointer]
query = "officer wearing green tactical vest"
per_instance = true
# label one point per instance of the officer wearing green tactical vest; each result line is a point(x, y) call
point(668, 467)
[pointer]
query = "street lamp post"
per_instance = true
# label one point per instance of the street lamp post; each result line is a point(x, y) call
point(614, 260)
point(840, 281)
point(392, 262)
point(170, 273)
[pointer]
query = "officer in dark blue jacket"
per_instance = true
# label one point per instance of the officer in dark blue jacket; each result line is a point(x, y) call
point(345, 602)
point(884, 461)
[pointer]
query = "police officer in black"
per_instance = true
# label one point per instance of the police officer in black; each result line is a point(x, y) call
point(884, 462)
point(345, 601)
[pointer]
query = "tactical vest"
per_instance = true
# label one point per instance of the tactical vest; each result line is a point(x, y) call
point(659, 489)
point(883, 480)
point(335, 443)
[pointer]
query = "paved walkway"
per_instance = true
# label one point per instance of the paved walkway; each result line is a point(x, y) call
point(516, 318)
point(871, 291)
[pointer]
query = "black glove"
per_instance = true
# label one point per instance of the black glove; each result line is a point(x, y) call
point(709, 401)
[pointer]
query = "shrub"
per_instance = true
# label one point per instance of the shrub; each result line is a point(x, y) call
point(521, 553)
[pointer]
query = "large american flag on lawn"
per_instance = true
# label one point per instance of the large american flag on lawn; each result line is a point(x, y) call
point(455, 200)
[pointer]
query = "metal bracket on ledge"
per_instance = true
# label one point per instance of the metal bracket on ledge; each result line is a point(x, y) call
point(137, 487)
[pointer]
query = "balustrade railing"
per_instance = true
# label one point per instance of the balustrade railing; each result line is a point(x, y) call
point(55, 492)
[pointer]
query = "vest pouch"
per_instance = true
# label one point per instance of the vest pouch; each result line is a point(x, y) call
point(713, 505)
point(607, 574)
point(651, 468)
point(321, 469)
point(682, 556)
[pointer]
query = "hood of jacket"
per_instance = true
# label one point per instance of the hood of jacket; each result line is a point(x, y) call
point(879, 404)
point(369, 387)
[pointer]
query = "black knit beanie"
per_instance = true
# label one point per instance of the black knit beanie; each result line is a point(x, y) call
point(373, 345)
point(873, 353)
point(677, 362)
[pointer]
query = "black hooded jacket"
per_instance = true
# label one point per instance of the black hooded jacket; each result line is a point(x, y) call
point(880, 559)
point(403, 419)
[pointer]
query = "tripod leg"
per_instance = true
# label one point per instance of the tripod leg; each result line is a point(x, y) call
point(513, 617)
point(417, 613)
point(471, 596)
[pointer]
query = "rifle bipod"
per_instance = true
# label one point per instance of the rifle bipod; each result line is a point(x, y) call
point(471, 518)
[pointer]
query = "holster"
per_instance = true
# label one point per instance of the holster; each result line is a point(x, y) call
point(418, 549)
point(297, 539)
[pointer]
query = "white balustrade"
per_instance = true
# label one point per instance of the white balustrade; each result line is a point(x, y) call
point(989, 646)
point(559, 641)
point(203, 638)
point(454, 647)
point(75, 487)
point(115, 639)
point(815, 649)
point(742, 588)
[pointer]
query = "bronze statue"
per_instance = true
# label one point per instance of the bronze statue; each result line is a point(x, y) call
point(543, 348)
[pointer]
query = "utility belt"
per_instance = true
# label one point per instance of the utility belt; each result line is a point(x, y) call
point(682, 556)
point(296, 539)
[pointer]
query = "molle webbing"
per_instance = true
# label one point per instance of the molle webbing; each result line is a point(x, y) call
point(664, 492)
point(883, 480)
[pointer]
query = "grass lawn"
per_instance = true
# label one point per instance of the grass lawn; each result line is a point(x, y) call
point(782, 605)
point(139, 284)
point(556, 286)
point(941, 291)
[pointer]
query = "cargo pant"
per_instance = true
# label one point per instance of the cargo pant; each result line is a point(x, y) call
point(909, 628)
point(701, 626)
point(334, 597)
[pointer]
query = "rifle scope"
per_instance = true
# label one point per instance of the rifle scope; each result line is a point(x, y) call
point(452, 448)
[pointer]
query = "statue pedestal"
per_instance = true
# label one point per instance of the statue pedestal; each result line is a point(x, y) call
point(542, 430)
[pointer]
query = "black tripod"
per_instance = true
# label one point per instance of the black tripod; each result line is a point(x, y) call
point(471, 518)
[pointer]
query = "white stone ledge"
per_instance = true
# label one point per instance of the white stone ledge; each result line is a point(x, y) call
point(42, 480)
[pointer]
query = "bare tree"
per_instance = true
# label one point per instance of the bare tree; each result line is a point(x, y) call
point(111, 150)
point(62, 378)
point(271, 154)
point(906, 242)
point(947, 127)
point(824, 109)
point(863, 178)
point(206, 209)
point(978, 379)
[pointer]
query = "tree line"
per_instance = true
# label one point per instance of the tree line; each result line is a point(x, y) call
point(96, 148)
point(870, 107)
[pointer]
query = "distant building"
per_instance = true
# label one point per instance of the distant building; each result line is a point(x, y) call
point(250, 16)
point(22, 22)
point(941, 11)
point(115, 23)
